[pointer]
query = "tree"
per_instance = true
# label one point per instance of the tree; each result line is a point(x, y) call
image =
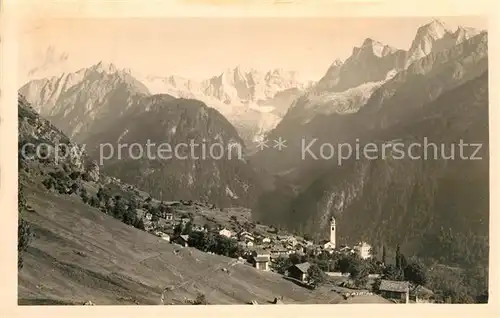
point(119, 208)
point(74, 175)
point(84, 195)
point(373, 253)
point(24, 233)
point(139, 224)
point(356, 267)
point(402, 261)
point(132, 204)
point(49, 183)
point(346, 262)
point(416, 272)
point(154, 218)
point(376, 285)
point(188, 228)
point(74, 187)
point(315, 276)
point(398, 257)
point(391, 272)
point(130, 216)
point(384, 255)
point(324, 264)
point(198, 241)
point(94, 201)
point(201, 299)
point(224, 245)
point(359, 273)
point(102, 194)
point(282, 264)
point(296, 258)
point(178, 229)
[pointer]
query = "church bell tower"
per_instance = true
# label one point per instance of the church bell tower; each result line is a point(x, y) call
point(333, 228)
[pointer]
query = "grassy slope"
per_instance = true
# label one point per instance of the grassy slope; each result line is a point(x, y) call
point(81, 254)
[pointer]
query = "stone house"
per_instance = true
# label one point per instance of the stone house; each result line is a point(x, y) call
point(421, 295)
point(363, 249)
point(165, 237)
point(261, 262)
point(225, 232)
point(182, 240)
point(395, 290)
point(299, 271)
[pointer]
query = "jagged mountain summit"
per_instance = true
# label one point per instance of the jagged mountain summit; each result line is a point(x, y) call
point(369, 62)
point(253, 101)
point(79, 103)
point(435, 37)
point(372, 61)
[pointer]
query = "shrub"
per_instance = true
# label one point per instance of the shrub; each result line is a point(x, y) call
point(24, 234)
point(49, 183)
point(94, 201)
point(201, 299)
point(315, 275)
point(74, 175)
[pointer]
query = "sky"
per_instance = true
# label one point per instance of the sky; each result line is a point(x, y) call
point(199, 48)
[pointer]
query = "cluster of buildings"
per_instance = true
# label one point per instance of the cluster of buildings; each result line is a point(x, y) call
point(263, 250)
point(282, 246)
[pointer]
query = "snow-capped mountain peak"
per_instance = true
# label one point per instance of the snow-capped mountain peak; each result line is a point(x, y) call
point(434, 37)
point(465, 33)
point(109, 68)
point(435, 29)
point(372, 47)
point(336, 63)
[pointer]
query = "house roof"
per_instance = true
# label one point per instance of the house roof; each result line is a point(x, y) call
point(261, 258)
point(422, 291)
point(303, 267)
point(261, 251)
point(184, 237)
point(395, 286)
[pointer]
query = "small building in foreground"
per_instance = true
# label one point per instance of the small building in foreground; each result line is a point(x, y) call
point(395, 290)
point(261, 262)
point(182, 240)
point(299, 271)
point(165, 237)
point(421, 295)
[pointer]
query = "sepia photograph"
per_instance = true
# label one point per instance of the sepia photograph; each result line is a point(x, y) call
point(259, 160)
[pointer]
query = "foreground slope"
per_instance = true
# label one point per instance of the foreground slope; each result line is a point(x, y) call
point(81, 254)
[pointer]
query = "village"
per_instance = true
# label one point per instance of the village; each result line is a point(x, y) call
point(269, 249)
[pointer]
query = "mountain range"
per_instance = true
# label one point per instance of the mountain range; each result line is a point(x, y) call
point(254, 102)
